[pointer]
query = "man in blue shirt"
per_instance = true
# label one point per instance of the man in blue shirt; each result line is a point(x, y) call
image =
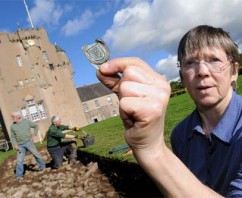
point(207, 158)
point(215, 158)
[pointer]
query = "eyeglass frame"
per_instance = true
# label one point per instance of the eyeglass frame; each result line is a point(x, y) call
point(208, 65)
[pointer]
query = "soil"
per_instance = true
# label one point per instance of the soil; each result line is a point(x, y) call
point(93, 176)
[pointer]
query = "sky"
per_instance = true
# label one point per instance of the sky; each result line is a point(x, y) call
point(148, 29)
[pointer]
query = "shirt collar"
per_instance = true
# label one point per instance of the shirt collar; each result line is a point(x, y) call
point(225, 128)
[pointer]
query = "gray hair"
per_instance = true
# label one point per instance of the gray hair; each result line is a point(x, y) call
point(55, 118)
point(16, 113)
point(207, 36)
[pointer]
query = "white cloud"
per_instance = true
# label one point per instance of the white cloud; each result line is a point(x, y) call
point(76, 25)
point(168, 67)
point(88, 18)
point(45, 12)
point(153, 26)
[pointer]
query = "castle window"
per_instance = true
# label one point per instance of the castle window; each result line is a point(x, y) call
point(20, 61)
point(51, 66)
point(42, 111)
point(33, 111)
point(25, 113)
point(45, 56)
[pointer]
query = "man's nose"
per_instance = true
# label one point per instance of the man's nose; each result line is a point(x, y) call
point(202, 68)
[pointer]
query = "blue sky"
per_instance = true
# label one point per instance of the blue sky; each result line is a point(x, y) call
point(149, 29)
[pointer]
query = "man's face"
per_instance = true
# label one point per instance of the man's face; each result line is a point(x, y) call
point(57, 123)
point(206, 87)
point(16, 118)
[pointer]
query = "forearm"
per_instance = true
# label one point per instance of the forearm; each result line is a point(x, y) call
point(171, 176)
point(68, 136)
point(13, 140)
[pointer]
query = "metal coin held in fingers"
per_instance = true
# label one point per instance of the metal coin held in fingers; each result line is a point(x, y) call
point(97, 53)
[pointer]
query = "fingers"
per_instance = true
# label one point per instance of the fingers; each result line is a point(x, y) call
point(144, 96)
point(118, 65)
point(112, 82)
point(132, 69)
point(143, 103)
point(143, 119)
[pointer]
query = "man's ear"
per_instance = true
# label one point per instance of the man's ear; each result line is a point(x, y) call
point(235, 72)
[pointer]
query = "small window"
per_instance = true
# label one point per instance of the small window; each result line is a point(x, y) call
point(33, 111)
point(25, 113)
point(51, 66)
point(114, 113)
point(42, 110)
point(45, 56)
point(85, 107)
point(109, 99)
point(20, 61)
point(97, 104)
point(30, 102)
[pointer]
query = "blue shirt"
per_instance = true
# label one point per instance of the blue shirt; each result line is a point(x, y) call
point(216, 160)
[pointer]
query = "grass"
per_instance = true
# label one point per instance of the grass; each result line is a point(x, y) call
point(110, 133)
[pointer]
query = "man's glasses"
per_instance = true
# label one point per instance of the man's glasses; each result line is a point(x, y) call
point(213, 66)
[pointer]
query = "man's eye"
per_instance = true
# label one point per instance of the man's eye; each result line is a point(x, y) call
point(191, 63)
point(213, 60)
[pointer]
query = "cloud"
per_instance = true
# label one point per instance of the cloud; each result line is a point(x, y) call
point(73, 27)
point(168, 67)
point(152, 26)
point(45, 12)
point(88, 18)
point(155, 25)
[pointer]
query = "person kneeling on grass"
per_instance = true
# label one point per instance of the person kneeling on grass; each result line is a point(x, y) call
point(58, 148)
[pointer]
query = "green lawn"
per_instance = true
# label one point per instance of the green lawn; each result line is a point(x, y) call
point(109, 133)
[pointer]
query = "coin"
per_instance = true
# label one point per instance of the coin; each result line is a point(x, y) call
point(97, 53)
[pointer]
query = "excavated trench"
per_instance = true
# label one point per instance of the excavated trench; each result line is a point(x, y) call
point(128, 179)
point(94, 176)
